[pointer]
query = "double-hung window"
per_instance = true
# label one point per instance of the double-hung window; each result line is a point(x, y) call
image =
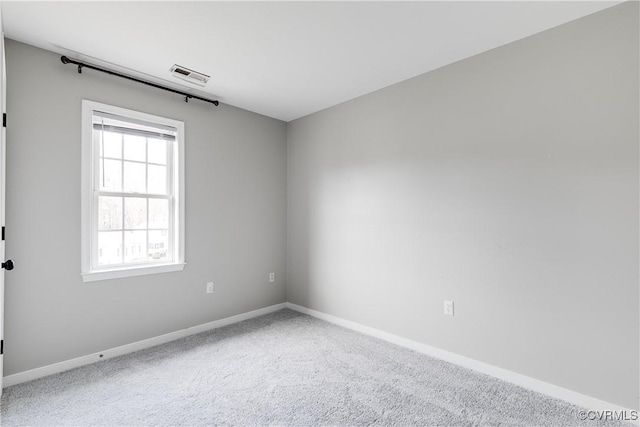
point(132, 193)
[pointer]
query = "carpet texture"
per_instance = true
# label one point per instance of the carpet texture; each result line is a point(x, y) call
point(284, 368)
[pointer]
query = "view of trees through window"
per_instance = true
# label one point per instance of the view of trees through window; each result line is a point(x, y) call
point(134, 197)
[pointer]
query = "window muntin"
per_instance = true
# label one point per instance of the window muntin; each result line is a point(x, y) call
point(133, 210)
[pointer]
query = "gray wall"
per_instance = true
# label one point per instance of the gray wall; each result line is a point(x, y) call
point(507, 182)
point(235, 213)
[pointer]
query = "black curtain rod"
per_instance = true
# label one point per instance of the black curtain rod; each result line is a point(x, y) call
point(80, 65)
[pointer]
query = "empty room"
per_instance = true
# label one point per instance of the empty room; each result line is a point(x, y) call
point(339, 213)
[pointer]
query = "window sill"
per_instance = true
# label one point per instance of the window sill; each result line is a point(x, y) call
point(131, 272)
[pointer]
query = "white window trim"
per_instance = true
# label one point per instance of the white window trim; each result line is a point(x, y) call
point(87, 171)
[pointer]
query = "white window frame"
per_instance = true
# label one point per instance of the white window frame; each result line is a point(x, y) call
point(89, 217)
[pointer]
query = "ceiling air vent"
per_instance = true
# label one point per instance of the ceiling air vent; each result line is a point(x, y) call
point(189, 75)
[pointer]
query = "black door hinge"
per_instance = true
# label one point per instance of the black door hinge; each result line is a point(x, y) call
point(3, 232)
point(4, 120)
point(2, 347)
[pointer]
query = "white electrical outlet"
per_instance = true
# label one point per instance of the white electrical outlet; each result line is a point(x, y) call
point(272, 277)
point(448, 308)
point(209, 287)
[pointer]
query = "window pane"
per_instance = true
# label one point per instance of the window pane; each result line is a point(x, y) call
point(109, 247)
point(110, 213)
point(134, 177)
point(135, 212)
point(157, 151)
point(157, 179)
point(158, 213)
point(110, 175)
point(135, 244)
point(135, 147)
point(159, 244)
point(97, 141)
point(132, 208)
point(111, 144)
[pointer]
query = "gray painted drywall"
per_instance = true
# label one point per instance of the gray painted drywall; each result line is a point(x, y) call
point(235, 217)
point(507, 182)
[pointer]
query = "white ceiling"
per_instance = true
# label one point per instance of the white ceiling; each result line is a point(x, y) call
point(282, 59)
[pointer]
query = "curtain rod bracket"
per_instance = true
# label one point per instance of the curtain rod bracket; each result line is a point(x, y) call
point(80, 65)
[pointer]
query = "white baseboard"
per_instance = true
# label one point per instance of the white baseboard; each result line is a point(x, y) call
point(552, 390)
point(55, 368)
